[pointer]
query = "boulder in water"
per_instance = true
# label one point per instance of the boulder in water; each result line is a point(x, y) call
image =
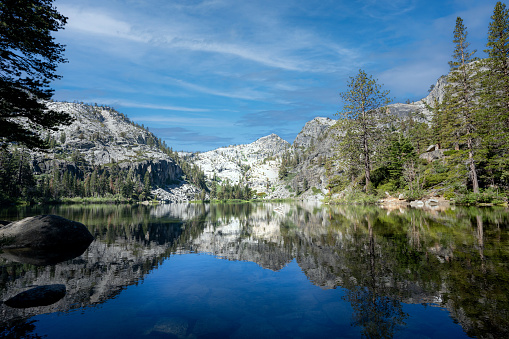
point(45, 231)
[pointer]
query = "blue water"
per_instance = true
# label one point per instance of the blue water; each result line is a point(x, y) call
point(200, 296)
point(248, 271)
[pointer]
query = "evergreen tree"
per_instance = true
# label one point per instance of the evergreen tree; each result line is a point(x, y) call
point(29, 58)
point(364, 120)
point(416, 129)
point(495, 94)
point(146, 184)
point(461, 92)
point(401, 152)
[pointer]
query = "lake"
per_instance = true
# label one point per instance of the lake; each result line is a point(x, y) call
point(269, 270)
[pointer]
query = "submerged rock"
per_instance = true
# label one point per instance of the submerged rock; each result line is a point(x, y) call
point(45, 231)
point(37, 296)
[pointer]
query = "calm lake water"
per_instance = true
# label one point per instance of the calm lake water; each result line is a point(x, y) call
point(269, 271)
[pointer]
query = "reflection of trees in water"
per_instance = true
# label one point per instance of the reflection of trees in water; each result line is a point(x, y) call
point(456, 258)
point(373, 285)
point(379, 316)
point(20, 328)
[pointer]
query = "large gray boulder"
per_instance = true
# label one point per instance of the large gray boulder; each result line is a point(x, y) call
point(45, 232)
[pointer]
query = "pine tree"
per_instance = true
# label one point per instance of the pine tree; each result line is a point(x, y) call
point(29, 58)
point(495, 94)
point(364, 120)
point(462, 101)
point(146, 184)
point(401, 152)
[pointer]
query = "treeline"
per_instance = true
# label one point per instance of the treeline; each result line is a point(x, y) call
point(16, 175)
point(81, 180)
point(102, 182)
point(228, 191)
point(469, 128)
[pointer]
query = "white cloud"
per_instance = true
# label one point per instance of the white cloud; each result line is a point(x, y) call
point(277, 46)
point(99, 23)
point(128, 103)
point(187, 120)
point(248, 94)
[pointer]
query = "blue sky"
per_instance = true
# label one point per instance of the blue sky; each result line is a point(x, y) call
point(211, 73)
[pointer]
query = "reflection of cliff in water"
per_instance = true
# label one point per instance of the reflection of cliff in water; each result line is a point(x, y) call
point(128, 246)
point(450, 259)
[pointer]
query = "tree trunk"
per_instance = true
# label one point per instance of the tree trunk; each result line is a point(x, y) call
point(473, 172)
point(367, 166)
point(20, 167)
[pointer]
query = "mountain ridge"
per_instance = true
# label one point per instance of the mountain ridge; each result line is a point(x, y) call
point(101, 139)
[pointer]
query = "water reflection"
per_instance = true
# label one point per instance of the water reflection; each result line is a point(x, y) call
point(454, 259)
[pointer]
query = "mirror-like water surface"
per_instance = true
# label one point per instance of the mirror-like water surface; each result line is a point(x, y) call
point(269, 270)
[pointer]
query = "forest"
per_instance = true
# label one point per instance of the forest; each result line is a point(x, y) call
point(469, 128)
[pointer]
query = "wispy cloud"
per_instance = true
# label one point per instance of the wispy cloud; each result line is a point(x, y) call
point(247, 93)
point(279, 117)
point(100, 23)
point(387, 9)
point(193, 120)
point(190, 138)
point(291, 50)
point(128, 103)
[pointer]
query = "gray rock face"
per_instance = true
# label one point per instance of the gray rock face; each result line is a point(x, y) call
point(312, 131)
point(45, 232)
point(433, 155)
point(181, 192)
point(161, 170)
point(438, 91)
point(103, 136)
point(239, 163)
point(37, 296)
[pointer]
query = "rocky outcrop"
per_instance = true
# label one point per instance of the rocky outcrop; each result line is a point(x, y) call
point(176, 193)
point(162, 171)
point(312, 132)
point(45, 232)
point(256, 164)
point(100, 137)
point(437, 92)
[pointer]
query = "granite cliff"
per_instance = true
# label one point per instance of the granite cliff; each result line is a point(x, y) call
point(304, 175)
point(101, 136)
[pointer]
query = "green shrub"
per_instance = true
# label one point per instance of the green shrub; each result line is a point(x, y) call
point(450, 194)
point(387, 187)
point(433, 179)
point(316, 191)
point(489, 196)
point(450, 152)
point(414, 195)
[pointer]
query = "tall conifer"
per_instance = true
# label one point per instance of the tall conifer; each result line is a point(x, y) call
point(461, 92)
point(495, 94)
point(364, 120)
